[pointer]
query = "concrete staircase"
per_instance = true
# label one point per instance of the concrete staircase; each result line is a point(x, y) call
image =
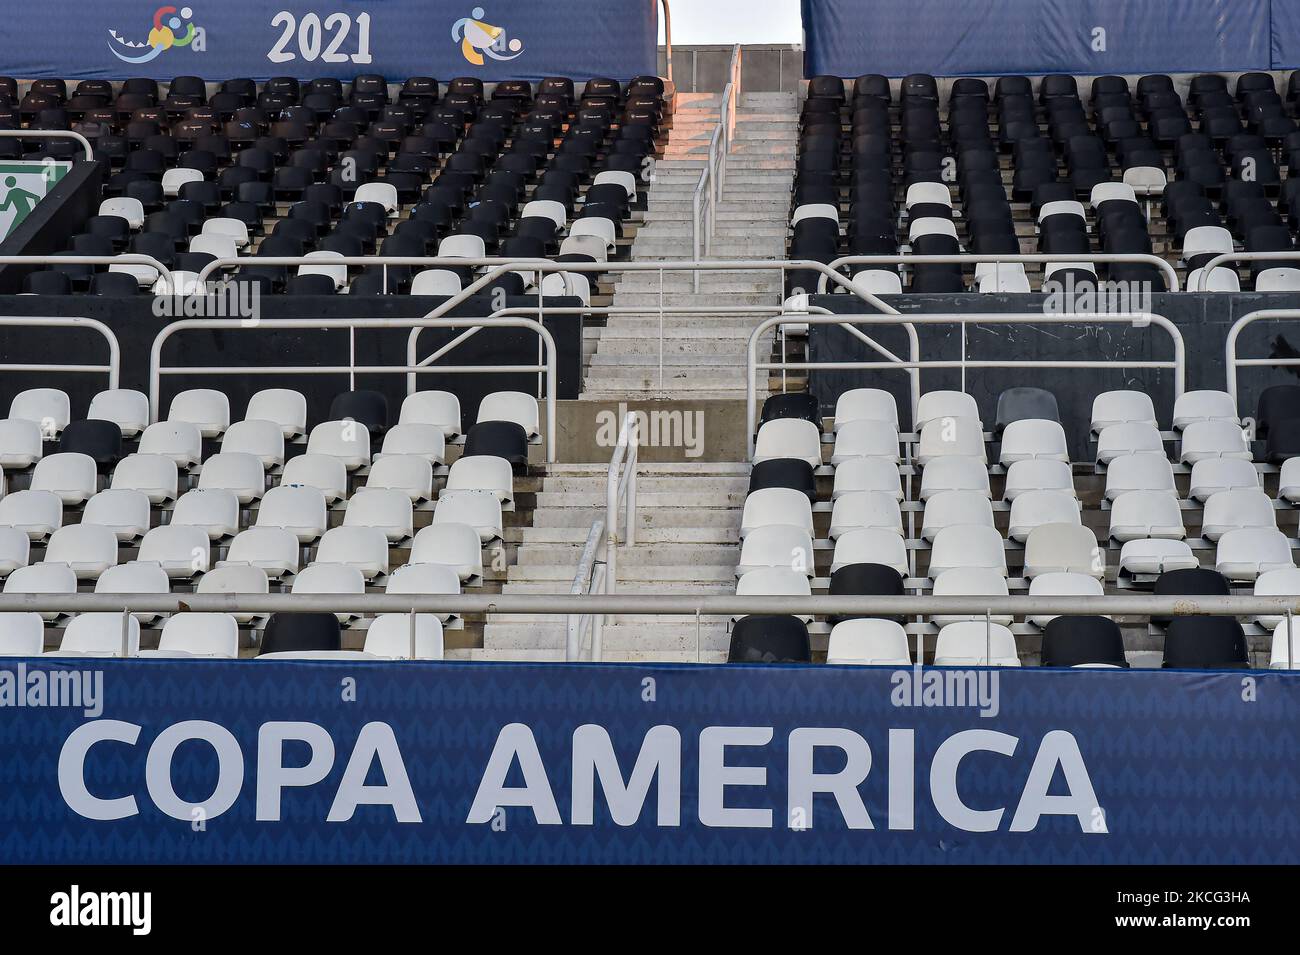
point(688, 515)
point(688, 523)
point(701, 354)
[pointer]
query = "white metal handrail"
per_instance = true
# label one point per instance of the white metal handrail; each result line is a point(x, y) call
point(499, 267)
point(51, 134)
point(1135, 319)
point(1129, 604)
point(594, 575)
point(620, 488)
point(1230, 360)
point(547, 365)
point(1224, 257)
point(668, 40)
point(1171, 276)
point(112, 369)
point(704, 201)
point(590, 578)
point(366, 261)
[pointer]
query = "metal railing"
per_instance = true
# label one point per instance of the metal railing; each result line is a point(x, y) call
point(1171, 276)
point(1230, 360)
point(126, 258)
point(1135, 319)
point(112, 369)
point(594, 575)
point(1224, 257)
point(548, 366)
point(590, 579)
point(552, 311)
point(620, 487)
point(51, 134)
point(368, 261)
point(498, 268)
point(704, 201)
point(369, 604)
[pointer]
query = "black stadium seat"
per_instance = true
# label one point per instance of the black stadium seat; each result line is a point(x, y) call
point(865, 580)
point(784, 472)
point(101, 440)
point(762, 638)
point(297, 632)
point(502, 439)
point(1083, 641)
point(1205, 643)
point(793, 405)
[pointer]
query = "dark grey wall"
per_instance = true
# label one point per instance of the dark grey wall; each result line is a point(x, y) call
point(1203, 321)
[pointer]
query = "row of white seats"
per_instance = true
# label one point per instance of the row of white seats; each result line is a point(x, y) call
point(209, 410)
point(1133, 514)
point(183, 554)
point(207, 635)
point(1136, 472)
point(1108, 408)
point(202, 517)
point(1241, 554)
point(1023, 440)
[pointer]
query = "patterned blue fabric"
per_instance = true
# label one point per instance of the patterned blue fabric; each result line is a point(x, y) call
point(1186, 767)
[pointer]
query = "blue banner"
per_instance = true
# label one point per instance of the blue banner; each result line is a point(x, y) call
point(897, 37)
point(490, 39)
point(157, 761)
point(1286, 35)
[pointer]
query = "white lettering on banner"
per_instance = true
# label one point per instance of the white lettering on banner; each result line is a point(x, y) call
point(733, 785)
point(375, 741)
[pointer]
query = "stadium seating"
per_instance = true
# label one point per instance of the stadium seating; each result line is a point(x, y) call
point(1110, 169)
point(327, 170)
point(1003, 511)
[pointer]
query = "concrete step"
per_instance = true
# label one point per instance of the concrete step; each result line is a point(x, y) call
point(678, 383)
point(650, 538)
point(666, 496)
point(672, 349)
point(615, 638)
point(650, 299)
point(697, 549)
point(723, 514)
point(650, 575)
point(557, 656)
point(702, 325)
point(679, 360)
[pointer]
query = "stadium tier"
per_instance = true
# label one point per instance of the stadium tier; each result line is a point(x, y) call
point(575, 419)
point(867, 483)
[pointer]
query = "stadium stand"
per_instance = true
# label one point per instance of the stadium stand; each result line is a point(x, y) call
point(861, 494)
point(200, 171)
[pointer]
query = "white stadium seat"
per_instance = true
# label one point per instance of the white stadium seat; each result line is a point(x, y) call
point(21, 634)
point(213, 635)
point(389, 637)
point(790, 438)
point(100, 634)
point(975, 643)
point(870, 545)
point(868, 643)
point(455, 546)
point(776, 505)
